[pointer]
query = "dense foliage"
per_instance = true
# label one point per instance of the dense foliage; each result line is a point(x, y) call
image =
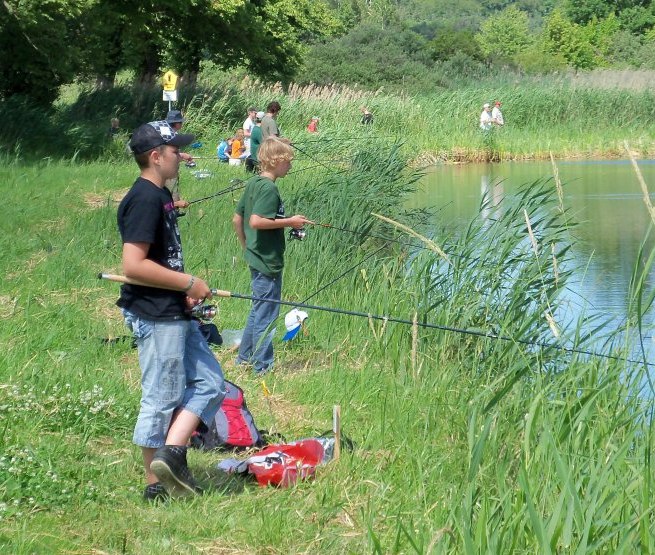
point(449, 40)
point(373, 43)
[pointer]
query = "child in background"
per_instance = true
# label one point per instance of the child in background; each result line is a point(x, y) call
point(238, 148)
point(223, 150)
point(259, 223)
point(115, 128)
point(313, 124)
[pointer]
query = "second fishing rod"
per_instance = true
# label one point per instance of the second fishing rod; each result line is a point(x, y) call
point(370, 316)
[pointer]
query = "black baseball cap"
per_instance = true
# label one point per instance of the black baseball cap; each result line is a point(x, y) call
point(175, 116)
point(157, 133)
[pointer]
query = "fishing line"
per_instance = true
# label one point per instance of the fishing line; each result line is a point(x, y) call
point(475, 333)
point(236, 184)
point(419, 246)
point(371, 255)
point(359, 137)
point(391, 240)
point(311, 157)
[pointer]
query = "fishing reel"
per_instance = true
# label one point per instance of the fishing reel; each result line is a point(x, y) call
point(297, 234)
point(204, 312)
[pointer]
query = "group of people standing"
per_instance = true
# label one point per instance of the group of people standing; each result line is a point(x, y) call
point(182, 381)
point(490, 117)
point(244, 145)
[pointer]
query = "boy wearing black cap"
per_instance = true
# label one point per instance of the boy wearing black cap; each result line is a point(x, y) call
point(181, 381)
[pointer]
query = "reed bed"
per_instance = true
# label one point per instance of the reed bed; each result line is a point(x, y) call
point(570, 116)
point(464, 443)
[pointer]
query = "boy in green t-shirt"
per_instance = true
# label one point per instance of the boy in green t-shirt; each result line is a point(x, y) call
point(259, 223)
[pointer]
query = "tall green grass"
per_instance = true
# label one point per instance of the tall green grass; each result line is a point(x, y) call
point(568, 117)
point(463, 443)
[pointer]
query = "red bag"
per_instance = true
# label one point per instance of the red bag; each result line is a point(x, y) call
point(284, 465)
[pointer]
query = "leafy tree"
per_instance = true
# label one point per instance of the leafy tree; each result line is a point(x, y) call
point(38, 50)
point(369, 56)
point(583, 11)
point(504, 34)
point(582, 46)
point(637, 19)
point(600, 35)
point(450, 41)
point(625, 49)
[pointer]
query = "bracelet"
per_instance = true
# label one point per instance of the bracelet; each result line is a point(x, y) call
point(190, 284)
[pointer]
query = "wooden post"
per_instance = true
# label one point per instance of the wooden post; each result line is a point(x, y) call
point(336, 428)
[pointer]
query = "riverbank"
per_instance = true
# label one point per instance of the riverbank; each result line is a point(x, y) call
point(570, 118)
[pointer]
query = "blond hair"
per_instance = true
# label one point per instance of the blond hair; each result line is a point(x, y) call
point(273, 151)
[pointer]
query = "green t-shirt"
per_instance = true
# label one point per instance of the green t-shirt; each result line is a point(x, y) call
point(264, 247)
point(255, 141)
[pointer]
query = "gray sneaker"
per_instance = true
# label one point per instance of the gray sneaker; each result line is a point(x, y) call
point(170, 466)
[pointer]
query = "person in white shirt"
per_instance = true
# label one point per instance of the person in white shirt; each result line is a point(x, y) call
point(485, 118)
point(497, 115)
point(247, 128)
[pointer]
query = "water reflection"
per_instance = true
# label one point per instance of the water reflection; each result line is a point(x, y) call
point(603, 198)
point(492, 192)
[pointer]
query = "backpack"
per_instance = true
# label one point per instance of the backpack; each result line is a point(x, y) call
point(233, 427)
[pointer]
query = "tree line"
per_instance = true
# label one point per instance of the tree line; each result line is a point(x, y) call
point(419, 44)
point(373, 43)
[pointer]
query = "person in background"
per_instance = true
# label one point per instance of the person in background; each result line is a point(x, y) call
point(175, 119)
point(223, 150)
point(247, 128)
point(367, 116)
point(313, 124)
point(115, 127)
point(181, 380)
point(485, 118)
point(497, 115)
point(255, 142)
point(269, 121)
point(259, 223)
point(238, 152)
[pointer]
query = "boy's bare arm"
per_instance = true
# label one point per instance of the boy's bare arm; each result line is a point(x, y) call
point(297, 221)
point(237, 222)
point(137, 266)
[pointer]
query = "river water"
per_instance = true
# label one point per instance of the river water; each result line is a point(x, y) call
point(604, 197)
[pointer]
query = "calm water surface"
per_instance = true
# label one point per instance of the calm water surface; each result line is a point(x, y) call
point(604, 198)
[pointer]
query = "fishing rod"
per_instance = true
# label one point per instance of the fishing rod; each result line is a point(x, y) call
point(487, 335)
point(236, 184)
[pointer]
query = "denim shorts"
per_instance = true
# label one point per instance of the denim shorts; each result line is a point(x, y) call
point(178, 371)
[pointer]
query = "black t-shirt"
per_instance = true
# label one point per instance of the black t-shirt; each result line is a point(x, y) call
point(147, 215)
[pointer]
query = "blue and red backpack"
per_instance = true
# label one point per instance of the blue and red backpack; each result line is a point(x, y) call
point(233, 427)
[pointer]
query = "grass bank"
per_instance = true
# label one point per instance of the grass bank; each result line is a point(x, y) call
point(570, 117)
point(463, 443)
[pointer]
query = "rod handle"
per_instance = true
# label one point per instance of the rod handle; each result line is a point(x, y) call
point(122, 279)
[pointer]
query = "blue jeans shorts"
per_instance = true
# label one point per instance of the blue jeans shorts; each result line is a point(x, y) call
point(178, 371)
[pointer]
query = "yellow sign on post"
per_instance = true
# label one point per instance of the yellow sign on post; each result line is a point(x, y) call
point(169, 81)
